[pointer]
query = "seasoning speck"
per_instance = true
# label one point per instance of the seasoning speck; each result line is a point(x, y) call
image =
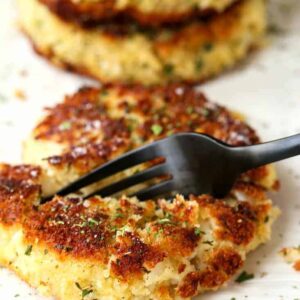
point(244, 276)
point(28, 250)
point(156, 129)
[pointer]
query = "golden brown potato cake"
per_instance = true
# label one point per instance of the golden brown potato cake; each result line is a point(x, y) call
point(191, 52)
point(95, 125)
point(146, 12)
point(97, 248)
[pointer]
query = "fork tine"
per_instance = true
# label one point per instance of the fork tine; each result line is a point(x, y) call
point(130, 159)
point(137, 178)
point(153, 191)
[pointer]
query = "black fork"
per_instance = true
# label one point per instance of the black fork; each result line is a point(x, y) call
point(192, 164)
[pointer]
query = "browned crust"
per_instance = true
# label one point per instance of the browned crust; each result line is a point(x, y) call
point(18, 191)
point(222, 264)
point(92, 230)
point(70, 228)
point(185, 110)
point(90, 14)
point(237, 224)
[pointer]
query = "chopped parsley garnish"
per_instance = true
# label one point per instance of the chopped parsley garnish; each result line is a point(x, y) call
point(208, 243)
point(103, 92)
point(198, 231)
point(163, 221)
point(28, 250)
point(168, 215)
point(123, 230)
point(168, 69)
point(205, 112)
point(59, 222)
point(89, 222)
point(156, 129)
point(198, 65)
point(190, 109)
point(65, 125)
point(92, 222)
point(160, 231)
point(208, 46)
point(118, 215)
point(114, 228)
point(244, 276)
point(84, 292)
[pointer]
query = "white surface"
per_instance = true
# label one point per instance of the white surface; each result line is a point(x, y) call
point(266, 89)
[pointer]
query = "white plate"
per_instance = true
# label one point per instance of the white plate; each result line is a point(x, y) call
point(266, 89)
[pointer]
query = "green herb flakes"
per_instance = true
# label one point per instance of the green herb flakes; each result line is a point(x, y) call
point(168, 69)
point(118, 215)
point(84, 292)
point(198, 65)
point(156, 129)
point(210, 243)
point(103, 93)
point(163, 221)
point(208, 46)
point(92, 222)
point(198, 231)
point(189, 110)
point(28, 250)
point(244, 276)
point(65, 125)
point(158, 233)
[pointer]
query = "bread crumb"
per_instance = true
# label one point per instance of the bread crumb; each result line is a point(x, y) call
point(20, 94)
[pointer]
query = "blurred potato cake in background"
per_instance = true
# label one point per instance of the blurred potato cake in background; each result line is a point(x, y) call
point(121, 248)
point(193, 51)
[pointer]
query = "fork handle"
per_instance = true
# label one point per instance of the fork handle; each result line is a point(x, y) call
point(262, 154)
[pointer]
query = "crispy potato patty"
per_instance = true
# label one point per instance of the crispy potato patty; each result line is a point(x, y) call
point(114, 52)
point(120, 248)
point(146, 12)
point(97, 124)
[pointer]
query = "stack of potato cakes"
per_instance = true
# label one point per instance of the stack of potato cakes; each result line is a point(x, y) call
point(116, 248)
point(144, 41)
